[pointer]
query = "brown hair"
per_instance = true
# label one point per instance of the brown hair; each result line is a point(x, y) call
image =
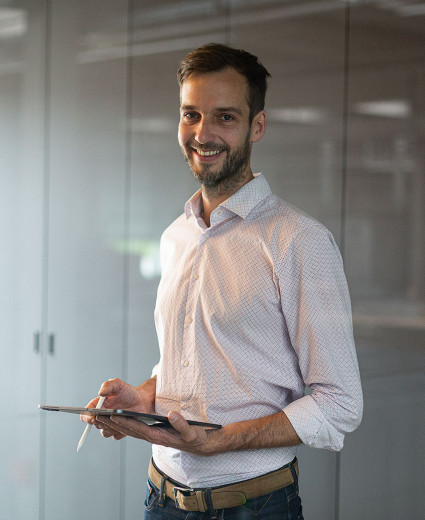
point(214, 57)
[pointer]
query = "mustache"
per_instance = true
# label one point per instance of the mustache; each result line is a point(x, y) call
point(207, 147)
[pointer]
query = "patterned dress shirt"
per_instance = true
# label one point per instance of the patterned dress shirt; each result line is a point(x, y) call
point(250, 311)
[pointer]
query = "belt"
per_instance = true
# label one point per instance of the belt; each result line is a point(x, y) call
point(233, 495)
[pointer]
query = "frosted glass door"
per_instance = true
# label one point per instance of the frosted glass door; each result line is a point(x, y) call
point(161, 184)
point(21, 251)
point(85, 264)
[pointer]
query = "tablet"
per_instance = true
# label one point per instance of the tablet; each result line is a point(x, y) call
point(147, 418)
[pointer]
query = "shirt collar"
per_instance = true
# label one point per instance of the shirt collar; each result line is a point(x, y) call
point(241, 203)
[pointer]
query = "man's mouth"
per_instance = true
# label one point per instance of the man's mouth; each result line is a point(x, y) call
point(207, 150)
point(207, 153)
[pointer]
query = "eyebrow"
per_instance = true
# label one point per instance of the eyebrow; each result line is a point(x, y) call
point(235, 110)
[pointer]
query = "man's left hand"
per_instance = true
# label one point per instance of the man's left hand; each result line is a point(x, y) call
point(182, 436)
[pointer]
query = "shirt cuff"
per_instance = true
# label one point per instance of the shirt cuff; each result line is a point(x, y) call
point(155, 370)
point(311, 425)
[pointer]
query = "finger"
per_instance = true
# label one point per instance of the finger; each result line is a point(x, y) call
point(188, 433)
point(111, 387)
point(107, 429)
point(119, 436)
point(93, 403)
point(86, 418)
point(105, 423)
point(112, 433)
point(108, 389)
point(130, 426)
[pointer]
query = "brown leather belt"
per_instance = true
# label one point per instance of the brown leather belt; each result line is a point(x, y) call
point(222, 497)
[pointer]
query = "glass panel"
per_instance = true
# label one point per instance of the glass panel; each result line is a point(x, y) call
point(385, 258)
point(87, 180)
point(164, 31)
point(22, 44)
point(302, 46)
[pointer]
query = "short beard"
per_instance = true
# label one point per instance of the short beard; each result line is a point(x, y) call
point(231, 175)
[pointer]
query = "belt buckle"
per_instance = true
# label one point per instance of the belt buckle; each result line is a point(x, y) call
point(184, 491)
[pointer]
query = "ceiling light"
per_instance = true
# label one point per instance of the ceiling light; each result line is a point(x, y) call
point(13, 22)
point(396, 108)
point(299, 115)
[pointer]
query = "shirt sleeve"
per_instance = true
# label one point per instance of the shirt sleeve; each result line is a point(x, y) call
point(317, 309)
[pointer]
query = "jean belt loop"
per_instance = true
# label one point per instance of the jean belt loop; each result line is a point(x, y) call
point(294, 473)
point(209, 502)
point(162, 491)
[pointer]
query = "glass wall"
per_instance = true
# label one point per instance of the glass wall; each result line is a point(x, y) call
point(384, 253)
point(22, 118)
point(91, 174)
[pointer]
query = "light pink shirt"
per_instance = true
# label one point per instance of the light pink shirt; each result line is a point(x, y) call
point(249, 312)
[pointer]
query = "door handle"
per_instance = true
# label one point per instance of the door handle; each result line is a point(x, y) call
point(37, 342)
point(51, 344)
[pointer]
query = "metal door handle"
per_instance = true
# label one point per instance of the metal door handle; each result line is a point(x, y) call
point(51, 344)
point(37, 342)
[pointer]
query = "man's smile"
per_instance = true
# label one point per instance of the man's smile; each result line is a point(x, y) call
point(206, 153)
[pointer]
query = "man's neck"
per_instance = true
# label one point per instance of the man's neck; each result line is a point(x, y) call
point(213, 197)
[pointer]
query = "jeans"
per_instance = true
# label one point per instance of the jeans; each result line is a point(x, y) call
point(283, 504)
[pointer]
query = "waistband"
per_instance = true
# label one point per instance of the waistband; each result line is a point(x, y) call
point(231, 495)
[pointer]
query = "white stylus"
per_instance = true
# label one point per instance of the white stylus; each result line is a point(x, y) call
point(88, 427)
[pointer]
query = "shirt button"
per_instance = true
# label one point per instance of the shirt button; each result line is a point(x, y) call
point(196, 276)
point(189, 320)
point(186, 363)
point(184, 406)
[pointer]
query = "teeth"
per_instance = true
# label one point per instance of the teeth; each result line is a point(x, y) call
point(207, 154)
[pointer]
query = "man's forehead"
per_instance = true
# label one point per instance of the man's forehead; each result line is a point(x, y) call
point(226, 88)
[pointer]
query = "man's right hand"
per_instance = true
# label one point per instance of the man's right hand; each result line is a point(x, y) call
point(120, 395)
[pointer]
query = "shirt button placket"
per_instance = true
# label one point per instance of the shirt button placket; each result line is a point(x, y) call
point(192, 283)
point(188, 367)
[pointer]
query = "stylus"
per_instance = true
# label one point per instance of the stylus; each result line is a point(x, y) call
point(88, 427)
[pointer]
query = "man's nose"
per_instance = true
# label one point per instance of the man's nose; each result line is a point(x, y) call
point(204, 131)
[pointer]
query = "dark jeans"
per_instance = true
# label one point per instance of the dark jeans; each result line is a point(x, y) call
point(283, 504)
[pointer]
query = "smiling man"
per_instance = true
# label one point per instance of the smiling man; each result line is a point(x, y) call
point(252, 308)
point(216, 139)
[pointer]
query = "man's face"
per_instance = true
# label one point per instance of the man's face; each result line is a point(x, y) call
point(214, 130)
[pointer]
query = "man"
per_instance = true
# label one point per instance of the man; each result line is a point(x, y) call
point(252, 307)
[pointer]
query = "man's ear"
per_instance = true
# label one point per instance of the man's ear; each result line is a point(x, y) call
point(258, 126)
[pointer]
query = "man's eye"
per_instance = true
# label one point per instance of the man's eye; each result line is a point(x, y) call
point(226, 117)
point(189, 115)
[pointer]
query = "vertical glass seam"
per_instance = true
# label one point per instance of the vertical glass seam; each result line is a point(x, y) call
point(126, 229)
point(227, 17)
point(344, 143)
point(343, 214)
point(45, 249)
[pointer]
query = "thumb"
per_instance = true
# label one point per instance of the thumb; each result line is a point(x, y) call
point(179, 423)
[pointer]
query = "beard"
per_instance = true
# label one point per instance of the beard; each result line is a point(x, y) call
point(232, 172)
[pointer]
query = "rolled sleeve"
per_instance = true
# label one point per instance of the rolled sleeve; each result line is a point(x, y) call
point(320, 326)
point(312, 426)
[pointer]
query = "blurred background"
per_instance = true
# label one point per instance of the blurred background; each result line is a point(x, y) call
point(91, 174)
